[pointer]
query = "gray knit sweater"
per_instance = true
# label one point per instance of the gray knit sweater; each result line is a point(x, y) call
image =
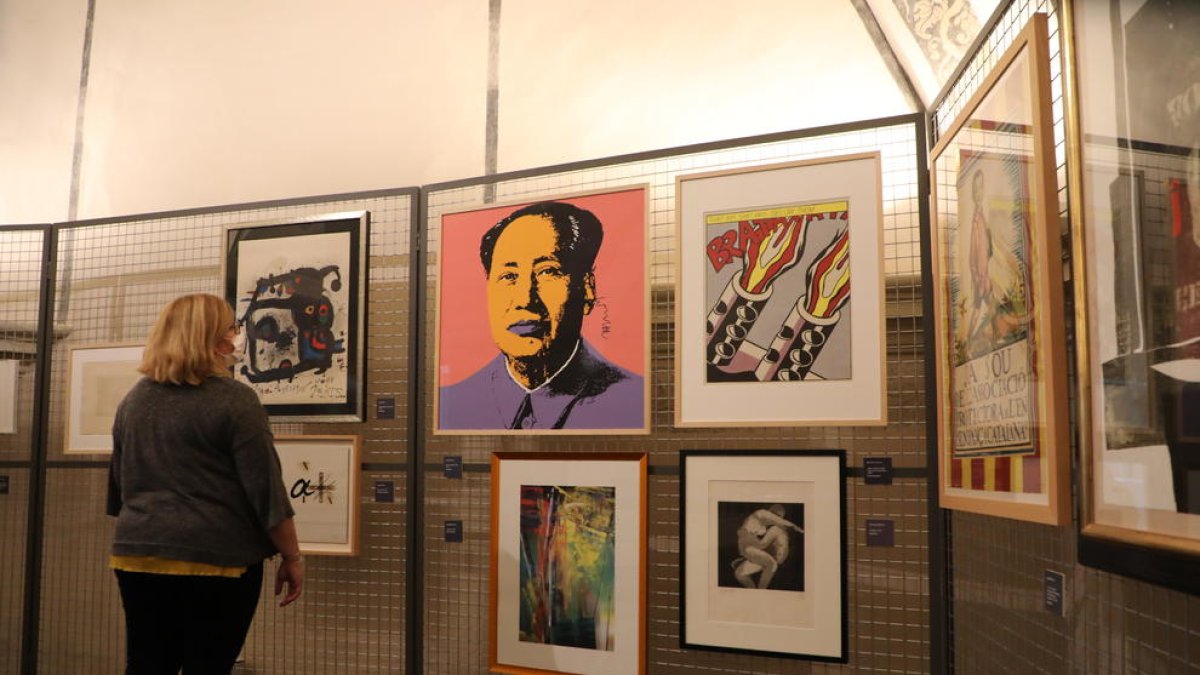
point(194, 474)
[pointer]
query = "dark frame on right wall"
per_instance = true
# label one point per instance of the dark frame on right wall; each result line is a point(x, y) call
point(1134, 145)
point(763, 553)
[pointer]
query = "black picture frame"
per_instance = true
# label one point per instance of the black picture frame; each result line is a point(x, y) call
point(1133, 166)
point(299, 290)
point(716, 616)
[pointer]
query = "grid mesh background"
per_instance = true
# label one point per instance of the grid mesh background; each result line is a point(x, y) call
point(112, 279)
point(1110, 624)
point(888, 612)
point(20, 276)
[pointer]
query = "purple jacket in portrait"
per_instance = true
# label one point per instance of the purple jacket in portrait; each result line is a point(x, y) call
point(588, 393)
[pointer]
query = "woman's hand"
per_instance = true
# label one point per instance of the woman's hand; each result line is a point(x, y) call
point(291, 568)
point(291, 574)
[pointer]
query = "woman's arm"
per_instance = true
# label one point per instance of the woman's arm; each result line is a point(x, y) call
point(773, 519)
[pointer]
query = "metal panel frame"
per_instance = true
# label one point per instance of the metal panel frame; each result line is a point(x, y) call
point(416, 466)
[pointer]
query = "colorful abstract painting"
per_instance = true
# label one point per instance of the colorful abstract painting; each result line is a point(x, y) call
point(567, 566)
point(296, 291)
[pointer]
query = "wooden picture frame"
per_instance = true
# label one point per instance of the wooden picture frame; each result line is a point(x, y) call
point(321, 475)
point(1001, 384)
point(299, 290)
point(595, 503)
point(1137, 285)
point(98, 377)
point(767, 332)
point(763, 553)
point(572, 357)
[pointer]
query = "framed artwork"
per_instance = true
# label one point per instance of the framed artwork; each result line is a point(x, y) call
point(767, 331)
point(321, 477)
point(542, 317)
point(298, 289)
point(763, 553)
point(98, 379)
point(8, 396)
point(1001, 380)
point(1135, 210)
point(568, 567)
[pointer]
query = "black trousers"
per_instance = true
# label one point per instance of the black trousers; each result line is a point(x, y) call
point(191, 622)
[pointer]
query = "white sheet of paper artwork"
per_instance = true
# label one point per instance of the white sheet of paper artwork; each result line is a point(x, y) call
point(319, 478)
point(99, 379)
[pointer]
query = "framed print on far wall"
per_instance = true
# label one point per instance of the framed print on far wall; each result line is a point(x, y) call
point(298, 290)
point(1003, 440)
point(543, 317)
point(98, 377)
point(768, 332)
point(568, 565)
point(763, 553)
point(320, 474)
point(1135, 209)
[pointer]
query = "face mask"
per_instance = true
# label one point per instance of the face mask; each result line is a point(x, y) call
point(239, 345)
point(239, 349)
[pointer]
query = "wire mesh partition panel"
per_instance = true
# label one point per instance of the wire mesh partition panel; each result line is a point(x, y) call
point(21, 253)
point(1000, 623)
point(20, 288)
point(888, 587)
point(14, 518)
point(113, 277)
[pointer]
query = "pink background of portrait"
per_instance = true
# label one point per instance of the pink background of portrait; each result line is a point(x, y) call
point(464, 340)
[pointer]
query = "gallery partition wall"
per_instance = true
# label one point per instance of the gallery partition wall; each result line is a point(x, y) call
point(415, 595)
point(110, 279)
point(21, 281)
point(889, 585)
point(443, 482)
point(1003, 567)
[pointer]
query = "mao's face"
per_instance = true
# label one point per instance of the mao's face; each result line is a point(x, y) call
point(533, 303)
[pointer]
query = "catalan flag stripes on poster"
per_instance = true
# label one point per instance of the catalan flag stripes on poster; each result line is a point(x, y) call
point(1020, 474)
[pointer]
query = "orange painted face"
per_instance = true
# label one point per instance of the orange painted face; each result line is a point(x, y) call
point(535, 306)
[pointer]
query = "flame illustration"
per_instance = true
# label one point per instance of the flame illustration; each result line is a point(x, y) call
point(773, 254)
point(829, 278)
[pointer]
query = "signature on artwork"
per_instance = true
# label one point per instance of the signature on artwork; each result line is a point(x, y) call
point(605, 321)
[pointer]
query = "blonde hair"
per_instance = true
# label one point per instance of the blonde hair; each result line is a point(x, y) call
point(181, 348)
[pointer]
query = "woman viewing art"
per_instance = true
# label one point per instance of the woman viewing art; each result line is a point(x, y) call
point(196, 488)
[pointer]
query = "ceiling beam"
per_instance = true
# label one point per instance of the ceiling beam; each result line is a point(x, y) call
point(889, 57)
